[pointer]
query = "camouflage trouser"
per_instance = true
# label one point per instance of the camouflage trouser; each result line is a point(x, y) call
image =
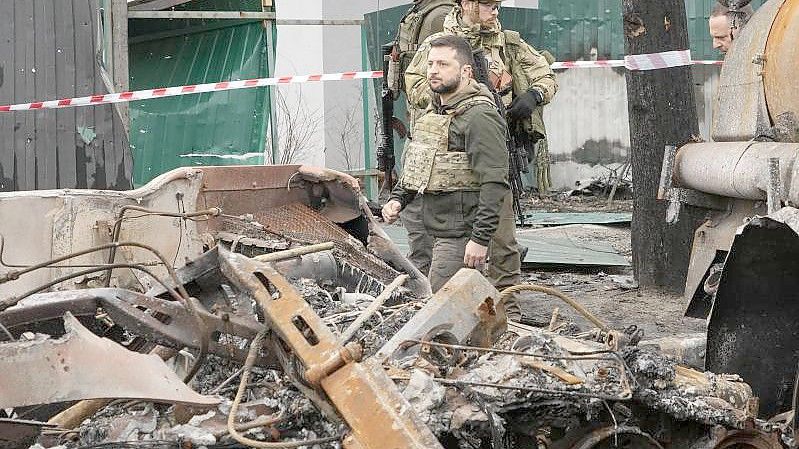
point(419, 241)
point(504, 264)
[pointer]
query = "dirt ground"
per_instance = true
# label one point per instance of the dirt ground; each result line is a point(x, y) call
point(611, 293)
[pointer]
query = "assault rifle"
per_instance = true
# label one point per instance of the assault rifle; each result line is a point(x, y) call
point(517, 154)
point(385, 150)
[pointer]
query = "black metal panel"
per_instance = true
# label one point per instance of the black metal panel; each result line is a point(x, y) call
point(753, 329)
point(47, 51)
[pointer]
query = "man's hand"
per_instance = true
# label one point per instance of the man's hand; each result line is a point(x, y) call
point(391, 211)
point(475, 255)
point(522, 106)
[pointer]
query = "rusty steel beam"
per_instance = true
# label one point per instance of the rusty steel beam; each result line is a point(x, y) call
point(466, 310)
point(362, 394)
point(81, 365)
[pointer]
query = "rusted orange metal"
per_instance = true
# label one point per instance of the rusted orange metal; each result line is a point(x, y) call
point(782, 62)
point(362, 394)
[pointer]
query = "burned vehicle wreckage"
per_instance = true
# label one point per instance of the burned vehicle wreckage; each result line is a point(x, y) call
point(264, 307)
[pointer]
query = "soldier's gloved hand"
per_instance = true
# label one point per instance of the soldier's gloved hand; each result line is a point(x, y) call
point(522, 106)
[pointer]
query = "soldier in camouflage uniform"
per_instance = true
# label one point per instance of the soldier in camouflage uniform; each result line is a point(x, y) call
point(457, 162)
point(525, 81)
point(424, 19)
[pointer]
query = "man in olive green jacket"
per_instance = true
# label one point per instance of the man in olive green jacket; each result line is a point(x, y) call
point(425, 18)
point(525, 81)
point(457, 162)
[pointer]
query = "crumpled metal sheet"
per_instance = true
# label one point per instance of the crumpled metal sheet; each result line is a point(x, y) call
point(466, 310)
point(752, 329)
point(81, 365)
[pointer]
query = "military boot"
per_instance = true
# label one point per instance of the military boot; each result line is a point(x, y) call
point(513, 308)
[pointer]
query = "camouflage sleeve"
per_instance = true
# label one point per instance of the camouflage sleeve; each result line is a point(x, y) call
point(416, 87)
point(538, 70)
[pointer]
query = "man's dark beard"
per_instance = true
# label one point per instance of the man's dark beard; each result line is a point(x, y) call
point(446, 87)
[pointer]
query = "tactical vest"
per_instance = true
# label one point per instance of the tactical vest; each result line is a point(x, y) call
point(407, 42)
point(429, 165)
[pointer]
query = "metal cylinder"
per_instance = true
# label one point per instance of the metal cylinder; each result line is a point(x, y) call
point(782, 62)
point(736, 169)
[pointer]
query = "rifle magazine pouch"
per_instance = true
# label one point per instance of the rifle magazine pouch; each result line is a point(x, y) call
point(394, 76)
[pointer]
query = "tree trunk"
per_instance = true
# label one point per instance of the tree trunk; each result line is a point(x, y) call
point(662, 112)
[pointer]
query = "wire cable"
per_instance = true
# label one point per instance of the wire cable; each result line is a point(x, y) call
point(506, 293)
point(212, 212)
point(8, 334)
point(252, 355)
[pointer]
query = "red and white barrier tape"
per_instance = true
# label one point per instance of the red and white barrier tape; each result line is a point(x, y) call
point(652, 61)
point(612, 63)
point(185, 90)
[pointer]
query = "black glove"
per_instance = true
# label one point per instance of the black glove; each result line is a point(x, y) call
point(522, 106)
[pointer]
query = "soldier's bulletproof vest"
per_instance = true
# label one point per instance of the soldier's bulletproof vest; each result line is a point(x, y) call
point(407, 42)
point(429, 165)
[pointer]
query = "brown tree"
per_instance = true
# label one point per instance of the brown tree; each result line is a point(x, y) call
point(662, 112)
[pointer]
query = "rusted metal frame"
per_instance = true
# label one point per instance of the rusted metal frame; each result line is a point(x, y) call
point(8, 302)
point(81, 365)
point(124, 308)
point(362, 393)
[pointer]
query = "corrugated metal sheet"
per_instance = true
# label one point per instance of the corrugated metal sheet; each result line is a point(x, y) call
point(47, 51)
point(567, 28)
point(221, 128)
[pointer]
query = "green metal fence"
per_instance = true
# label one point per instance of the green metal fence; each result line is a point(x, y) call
point(218, 128)
point(569, 29)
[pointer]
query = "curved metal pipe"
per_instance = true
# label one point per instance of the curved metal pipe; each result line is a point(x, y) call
point(737, 169)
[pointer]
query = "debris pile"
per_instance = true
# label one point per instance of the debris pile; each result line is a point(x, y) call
point(316, 332)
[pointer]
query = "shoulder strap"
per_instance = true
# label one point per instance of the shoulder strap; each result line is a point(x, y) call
point(469, 103)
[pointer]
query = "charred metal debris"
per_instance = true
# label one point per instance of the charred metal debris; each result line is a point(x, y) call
point(264, 307)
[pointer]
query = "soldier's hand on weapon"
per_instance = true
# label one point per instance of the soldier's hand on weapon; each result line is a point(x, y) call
point(475, 255)
point(399, 127)
point(391, 211)
point(522, 106)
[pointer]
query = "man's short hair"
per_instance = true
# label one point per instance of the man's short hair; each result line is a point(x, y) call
point(463, 51)
point(719, 10)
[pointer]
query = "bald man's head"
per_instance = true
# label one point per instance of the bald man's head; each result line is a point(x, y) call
point(721, 27)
